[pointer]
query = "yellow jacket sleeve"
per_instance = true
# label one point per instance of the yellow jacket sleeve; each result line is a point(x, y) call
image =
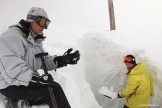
point(132, 85)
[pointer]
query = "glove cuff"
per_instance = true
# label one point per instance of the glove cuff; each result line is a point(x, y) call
point(119, 95)
point(60, 61)
point(35, 78)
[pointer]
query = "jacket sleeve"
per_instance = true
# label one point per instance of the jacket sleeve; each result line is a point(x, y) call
point(131, 86)
point(13, 68)
point(50, 63)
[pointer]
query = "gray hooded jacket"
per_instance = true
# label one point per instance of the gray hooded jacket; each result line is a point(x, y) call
point(17, 57)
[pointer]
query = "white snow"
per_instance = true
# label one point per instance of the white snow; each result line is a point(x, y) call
point(84, 25)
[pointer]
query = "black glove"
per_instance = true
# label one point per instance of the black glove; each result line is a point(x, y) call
point(67, 58)
point(44, 80)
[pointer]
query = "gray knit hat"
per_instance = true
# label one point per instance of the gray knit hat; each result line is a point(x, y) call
point(36, 11)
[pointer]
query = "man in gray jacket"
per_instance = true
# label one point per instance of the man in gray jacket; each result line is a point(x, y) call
point(19, 79)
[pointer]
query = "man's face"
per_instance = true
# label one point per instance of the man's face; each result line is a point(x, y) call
point(36, 29)
point(129, 66)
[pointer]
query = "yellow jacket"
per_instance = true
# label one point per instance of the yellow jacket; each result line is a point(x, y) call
point(139, 87)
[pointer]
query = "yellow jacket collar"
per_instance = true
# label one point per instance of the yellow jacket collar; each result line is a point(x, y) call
point(139, 68)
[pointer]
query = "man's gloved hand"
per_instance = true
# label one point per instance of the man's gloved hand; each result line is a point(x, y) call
point(108, 92)
point(67, 58)
point(44, 80)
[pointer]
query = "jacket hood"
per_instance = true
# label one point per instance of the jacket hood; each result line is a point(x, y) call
point(139, 68)
point(25, 27)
